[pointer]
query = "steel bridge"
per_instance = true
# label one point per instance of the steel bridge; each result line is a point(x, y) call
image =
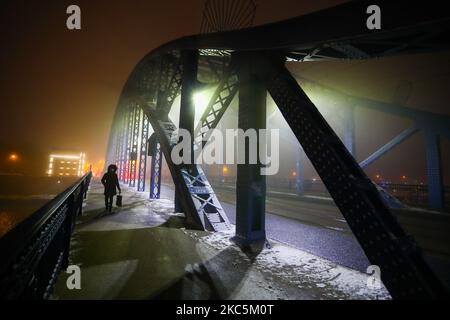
point(433, 126)
point(249, 63)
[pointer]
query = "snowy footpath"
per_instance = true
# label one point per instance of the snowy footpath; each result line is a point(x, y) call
point(143, 251)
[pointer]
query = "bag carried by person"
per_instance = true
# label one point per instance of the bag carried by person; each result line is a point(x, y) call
point(119, 200)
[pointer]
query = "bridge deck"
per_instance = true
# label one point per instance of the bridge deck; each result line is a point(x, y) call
point(142, 251)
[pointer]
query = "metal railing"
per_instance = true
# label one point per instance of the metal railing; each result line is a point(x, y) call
point(415, 195)
point(33, 253)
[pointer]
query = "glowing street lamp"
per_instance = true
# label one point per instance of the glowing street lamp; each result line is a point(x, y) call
point(225, 170)
point(201, 100)
point(13, 157)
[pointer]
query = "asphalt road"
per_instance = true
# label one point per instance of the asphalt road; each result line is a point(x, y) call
point(337, 245)
point(315, 225)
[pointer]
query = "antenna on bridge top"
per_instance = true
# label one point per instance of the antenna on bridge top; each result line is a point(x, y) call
point(225, 15)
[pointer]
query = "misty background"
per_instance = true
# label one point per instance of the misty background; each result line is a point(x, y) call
point(59, 88)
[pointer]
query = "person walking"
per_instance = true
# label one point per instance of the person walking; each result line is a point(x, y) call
point(111, 184)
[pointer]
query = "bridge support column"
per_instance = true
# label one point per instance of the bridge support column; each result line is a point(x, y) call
point(250, 184)
point(359, 201)
point(156, 168)
point(122, 130)
point(143, 153)
point(434, 170)
point(134, 145)
point(117, 144)
point(128, 142)
point(189, 62)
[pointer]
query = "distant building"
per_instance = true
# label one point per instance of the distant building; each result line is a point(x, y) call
point(66, 164)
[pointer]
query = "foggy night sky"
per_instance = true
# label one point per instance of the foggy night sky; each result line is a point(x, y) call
point(59, 88)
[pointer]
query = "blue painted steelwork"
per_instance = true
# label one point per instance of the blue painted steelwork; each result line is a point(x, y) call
point(155, 179)
point(250, 183)
point(383, 240)
point(434, 170)
point(127, 148)
point(424, 121)
point(134, 146)
point(119, 145)
point(143, 153)
point(388, 146)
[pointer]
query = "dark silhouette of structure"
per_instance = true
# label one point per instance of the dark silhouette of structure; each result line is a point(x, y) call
point(249, 63)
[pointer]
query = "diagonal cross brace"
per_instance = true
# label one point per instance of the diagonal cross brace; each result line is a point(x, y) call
point(229, 84)
point(389, 146)
point(403, 269)
point(194, 203)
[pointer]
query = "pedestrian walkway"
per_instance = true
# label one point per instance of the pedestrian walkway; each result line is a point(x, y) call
point(143, 251)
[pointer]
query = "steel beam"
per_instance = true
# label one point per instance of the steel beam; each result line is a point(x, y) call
point(134, 146)
point(129, 138)
point(250, 184)
point(171, 74)
point(123, 147)
point(404, 271)
point(123, 129)
point(113, 150)
point(156, 168)
point(189, 83)
point(439, 122)
point(217, 105)
point(388, 146)
point(143, 153)
point(200, 204)
point(434, 170)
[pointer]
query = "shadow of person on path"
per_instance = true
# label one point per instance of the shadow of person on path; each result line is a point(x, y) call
point(210, 280)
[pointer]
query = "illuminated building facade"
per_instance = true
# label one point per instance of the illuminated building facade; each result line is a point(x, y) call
point(66, 164)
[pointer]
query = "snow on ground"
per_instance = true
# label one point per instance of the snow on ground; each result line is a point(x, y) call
point(160, 206)
point(293, 266)
point(303, 269)
point(163, 207)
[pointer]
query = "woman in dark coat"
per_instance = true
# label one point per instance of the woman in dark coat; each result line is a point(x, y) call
point(110, 182)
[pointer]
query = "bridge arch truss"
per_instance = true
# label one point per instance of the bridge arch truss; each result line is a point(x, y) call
point(249, 63)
